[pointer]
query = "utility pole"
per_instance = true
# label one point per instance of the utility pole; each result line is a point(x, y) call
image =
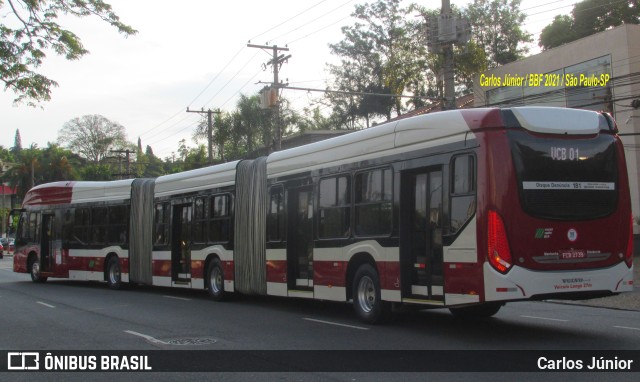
point(449, 89)
point(276, 62)
point(209, 130)
point(128, 165)
point(442, 33)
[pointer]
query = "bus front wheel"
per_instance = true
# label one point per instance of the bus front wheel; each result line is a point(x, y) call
point(367, 300)
point(34, 270)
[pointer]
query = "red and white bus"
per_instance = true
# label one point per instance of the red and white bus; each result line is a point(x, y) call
point(464, 209)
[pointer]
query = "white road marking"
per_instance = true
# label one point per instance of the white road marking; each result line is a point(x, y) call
point(178, 298)
point(146, 337)
point(545, 318)
point(626, 327)
point(336, 324)
point(45, 304)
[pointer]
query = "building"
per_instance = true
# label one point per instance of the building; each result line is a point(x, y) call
point(599, 72)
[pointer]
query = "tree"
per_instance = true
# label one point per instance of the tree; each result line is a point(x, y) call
point(379, 54)
point(17, 142)
point(25, 173)
point(96, 171)
point(589, 17)
point(559, 32)
point(23, 48)
point(154, 167)
point(56, 164)
point(496, 29)
point(92, 136)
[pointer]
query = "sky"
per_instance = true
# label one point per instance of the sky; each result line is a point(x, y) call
point(193, 53)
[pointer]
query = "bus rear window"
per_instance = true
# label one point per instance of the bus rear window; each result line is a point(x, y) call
point(565, 179)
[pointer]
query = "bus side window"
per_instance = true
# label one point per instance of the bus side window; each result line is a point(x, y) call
point(67, 227)
point(161, 221)
point(23, 227)
point(275, 216)
point(220, 218)
point(334, 207)
point(118, 221)
point(463, 197)
point(34, 227)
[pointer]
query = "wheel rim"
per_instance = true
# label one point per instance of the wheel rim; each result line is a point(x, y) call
point(366, 294)
point(216, 280)
point(114, 273)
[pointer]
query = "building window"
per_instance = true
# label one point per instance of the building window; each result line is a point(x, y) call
point(334, 206)
point(597, 98)
point(373, 202)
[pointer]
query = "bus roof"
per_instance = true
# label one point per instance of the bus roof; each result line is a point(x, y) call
point(386, 139)
point(195, 180)
point(78, 192)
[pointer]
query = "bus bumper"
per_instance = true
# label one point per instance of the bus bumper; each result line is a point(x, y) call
point(523, 284)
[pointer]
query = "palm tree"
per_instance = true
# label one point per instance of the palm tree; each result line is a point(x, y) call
point(22, 176)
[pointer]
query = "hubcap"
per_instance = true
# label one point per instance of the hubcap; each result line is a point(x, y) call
point(35, 269)
point(216, 280)
point(114, 274)
point(366, 294)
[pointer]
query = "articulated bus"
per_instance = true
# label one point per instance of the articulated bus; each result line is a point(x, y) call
point(465, 209)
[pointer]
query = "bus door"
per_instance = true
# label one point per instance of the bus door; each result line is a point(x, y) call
point(300, 238)
point(421, 234)
point(181, 243)
point(48, 240)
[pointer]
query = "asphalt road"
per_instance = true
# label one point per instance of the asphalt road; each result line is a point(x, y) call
point(65, 315)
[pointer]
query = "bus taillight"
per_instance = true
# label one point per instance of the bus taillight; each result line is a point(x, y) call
point(629, 254)
point(499, 253)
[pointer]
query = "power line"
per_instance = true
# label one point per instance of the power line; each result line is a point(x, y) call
point(287, 20)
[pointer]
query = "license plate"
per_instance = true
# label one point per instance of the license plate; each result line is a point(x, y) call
point(573, 254)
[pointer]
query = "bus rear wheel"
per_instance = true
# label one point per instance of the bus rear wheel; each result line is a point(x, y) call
point(114, 276)
point(485, 310)
point(367, 300)
point(34, 270)
point(215, 280)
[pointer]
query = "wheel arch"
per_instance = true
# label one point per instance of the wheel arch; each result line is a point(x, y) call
point(210, 257)
point(355, 262)
point(108, 258)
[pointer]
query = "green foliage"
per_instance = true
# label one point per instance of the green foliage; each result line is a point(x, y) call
point(559, 32)
point(379, 54)
point(96, 171)
point(30, 29)
point(496, 29)
point(589, 17)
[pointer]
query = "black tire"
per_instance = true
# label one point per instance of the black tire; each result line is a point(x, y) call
point(113, 274)
point(215, 281)
point(485, 310)
point(367, 300)
point(34, 270)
